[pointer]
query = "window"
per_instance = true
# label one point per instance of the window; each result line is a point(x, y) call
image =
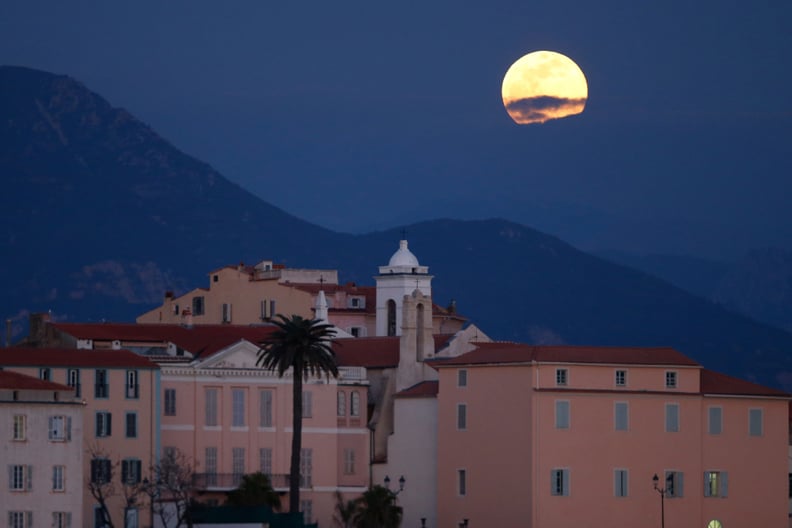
point(355, 400)
point(131, 425)
point(355, 331)
point(20, 477)
point(265, 460)
point(621, 416)
point(562, 414)
point(265, 408)
point(674, 484)
point(20, 519)
point(211, 407)
point(307, 404)
point(45, 373)
point(755, 422)
point(672, 417)
point(391, 309)
point(716, 483)
point(462, 378)
point(73, 380)
point(349, 461)
point(130, 518)
point(267, 309)
point(170, 402)
point(621, 378)
point(20, 429)
point(461, 416)
point(104, 424)
point(132, 388)
point(238, 464)
point(101, 470)
point(462, 482)
point(559, 482)
point(61, 520)
point(671, 379)
point(561, 377)
point(306, 467)
point(101, 390)
point(226, 313)
point(341, 403)
point(58, 478)
point(131, 471)
point(210, 459)
point(620, 482)
point(715, 420)
point(198, 305)
point(99, 518)
point(238, 407)
point(59, 428)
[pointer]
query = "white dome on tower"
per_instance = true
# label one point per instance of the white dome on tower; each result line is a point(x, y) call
point(403, 256)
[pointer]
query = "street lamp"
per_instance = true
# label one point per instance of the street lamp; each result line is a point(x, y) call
point(668, 488)
point(401, 484)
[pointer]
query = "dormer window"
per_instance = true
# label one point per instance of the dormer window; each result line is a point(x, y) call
point(561, 376)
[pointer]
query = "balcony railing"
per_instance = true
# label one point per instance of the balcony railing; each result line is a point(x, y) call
point(229, 481)
point(352, 373)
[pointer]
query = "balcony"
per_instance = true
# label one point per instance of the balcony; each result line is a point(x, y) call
point(230, 481)
point(352, 373)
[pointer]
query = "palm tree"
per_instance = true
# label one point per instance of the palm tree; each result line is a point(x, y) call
point(254, 490)
point(377, 508)
point(303, 345)
point(345, 511)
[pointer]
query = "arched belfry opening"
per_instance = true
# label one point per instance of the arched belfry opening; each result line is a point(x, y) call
point(391, 317)
point(420, 334)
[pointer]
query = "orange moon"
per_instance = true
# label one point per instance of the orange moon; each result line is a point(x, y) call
point(543, 85)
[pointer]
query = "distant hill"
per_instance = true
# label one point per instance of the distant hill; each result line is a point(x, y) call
point(100, 216)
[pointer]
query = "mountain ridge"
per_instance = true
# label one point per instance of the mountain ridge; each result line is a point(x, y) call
point(101, 213)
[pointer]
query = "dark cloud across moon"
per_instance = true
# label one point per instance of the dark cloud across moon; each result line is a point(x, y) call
point(542, 108)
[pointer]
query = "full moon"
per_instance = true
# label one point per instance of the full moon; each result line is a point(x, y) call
point(543, 85)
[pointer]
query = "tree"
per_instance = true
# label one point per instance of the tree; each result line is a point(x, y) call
point(303, 345)
point(170, 488)
point(103, 487)
point(377, 508)
point(345, 511)
point(254, 490)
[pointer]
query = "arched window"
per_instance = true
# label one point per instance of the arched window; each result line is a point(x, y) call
point(341, 403)
point(391, 317)
point(419, 334)
point(714, 524)
point(355, 404)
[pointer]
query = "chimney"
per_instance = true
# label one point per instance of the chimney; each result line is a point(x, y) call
point(187, 318)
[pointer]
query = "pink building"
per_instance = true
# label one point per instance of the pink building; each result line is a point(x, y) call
point(232, 418)
point(41, 451)
point(118, 391)
point(560, 436)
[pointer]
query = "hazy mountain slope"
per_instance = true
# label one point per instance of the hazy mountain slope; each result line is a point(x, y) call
point(100, 215)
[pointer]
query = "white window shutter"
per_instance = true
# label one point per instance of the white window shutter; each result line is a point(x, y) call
point(724, 484)
point(565, 482)
point(707, 484)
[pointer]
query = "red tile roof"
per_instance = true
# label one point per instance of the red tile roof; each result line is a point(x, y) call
point(501, 352)
point(200, 340)
point(369, 352)
point(717, 383)
point(73, 357)
point(17, 381)
point(424, 389)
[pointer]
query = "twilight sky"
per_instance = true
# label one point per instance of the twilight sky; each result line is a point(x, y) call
point(361, 115)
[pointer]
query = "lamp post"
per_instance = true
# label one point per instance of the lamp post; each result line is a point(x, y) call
point(667, 488)
point(423, 522)
point(402, 480)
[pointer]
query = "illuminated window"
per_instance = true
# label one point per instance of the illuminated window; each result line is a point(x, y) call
point(716, 483)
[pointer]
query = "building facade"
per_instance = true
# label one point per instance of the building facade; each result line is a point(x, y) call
point(118, 393)
point(581, 431)
point(42, 453)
